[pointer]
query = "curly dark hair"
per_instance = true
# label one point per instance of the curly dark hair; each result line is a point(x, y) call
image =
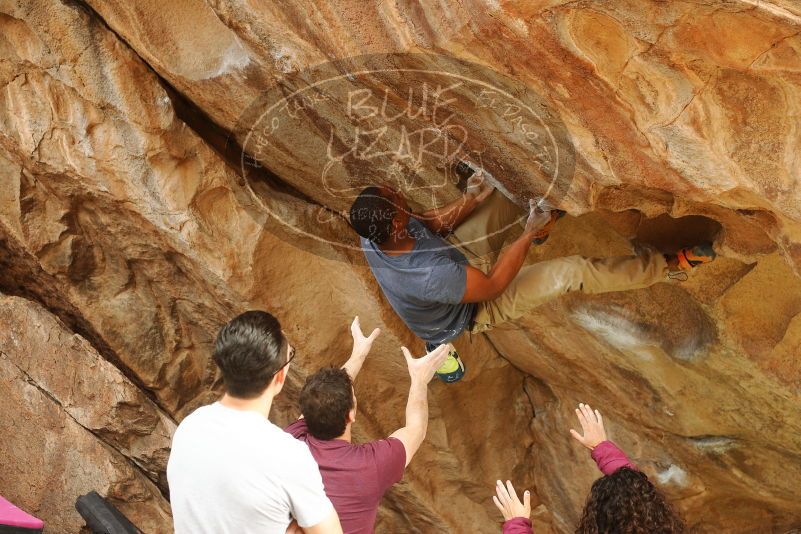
point(626, 502)
point(325, 401)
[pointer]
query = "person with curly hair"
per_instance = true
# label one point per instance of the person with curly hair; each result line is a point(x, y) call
point(623, 501)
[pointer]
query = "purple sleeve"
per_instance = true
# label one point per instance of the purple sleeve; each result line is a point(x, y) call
point(390, 461)
point(609, 458)
point(518, 525)
point(298, 429)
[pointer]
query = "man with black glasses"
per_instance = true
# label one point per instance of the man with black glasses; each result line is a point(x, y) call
point(231, 470)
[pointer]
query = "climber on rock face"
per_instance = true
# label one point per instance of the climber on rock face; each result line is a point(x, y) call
point(357, 476)
point(232, 470)
point(623, 500)
point(439, 292)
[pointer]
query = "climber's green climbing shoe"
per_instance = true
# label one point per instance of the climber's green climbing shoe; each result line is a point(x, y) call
point(452, 369)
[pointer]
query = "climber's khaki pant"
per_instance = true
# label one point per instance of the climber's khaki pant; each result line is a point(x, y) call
point(496, 221)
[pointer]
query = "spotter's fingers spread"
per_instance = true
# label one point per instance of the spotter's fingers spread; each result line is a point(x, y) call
point(589, 414)
point(582, 420)
point(503, 495)
point(512, 493)
point(374, 334)
point(586, 413)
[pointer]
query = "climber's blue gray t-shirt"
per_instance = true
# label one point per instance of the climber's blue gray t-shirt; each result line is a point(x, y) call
point(425, 285)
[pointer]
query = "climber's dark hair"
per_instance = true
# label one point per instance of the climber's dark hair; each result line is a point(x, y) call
point(626, 502)
point(325, 401)
point(249, 351)
point(371, 215)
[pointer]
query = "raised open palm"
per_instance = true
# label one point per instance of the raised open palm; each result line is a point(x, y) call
point(592, 426)
point(362, 344)
point(509, 504)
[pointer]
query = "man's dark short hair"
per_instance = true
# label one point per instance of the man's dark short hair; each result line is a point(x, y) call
point(371, 215)
point(325, 401)
point(249, 351)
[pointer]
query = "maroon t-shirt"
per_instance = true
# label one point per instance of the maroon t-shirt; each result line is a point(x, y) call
point(355, 476)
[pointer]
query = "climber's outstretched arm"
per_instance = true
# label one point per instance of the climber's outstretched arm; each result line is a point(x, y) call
point(444, 219)
point(361, 348)
point(421, 371)
point(481, 287)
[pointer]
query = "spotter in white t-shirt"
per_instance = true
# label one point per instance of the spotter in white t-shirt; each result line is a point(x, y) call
point(234, 472)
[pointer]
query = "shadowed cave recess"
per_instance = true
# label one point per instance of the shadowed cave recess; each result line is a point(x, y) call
point(140, 209)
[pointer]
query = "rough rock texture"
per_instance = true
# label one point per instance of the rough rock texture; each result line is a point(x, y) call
point(129, 233)
point(72, 424)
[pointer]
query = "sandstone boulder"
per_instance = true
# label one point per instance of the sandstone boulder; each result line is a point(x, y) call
point(72, 423)
point(137, 216)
